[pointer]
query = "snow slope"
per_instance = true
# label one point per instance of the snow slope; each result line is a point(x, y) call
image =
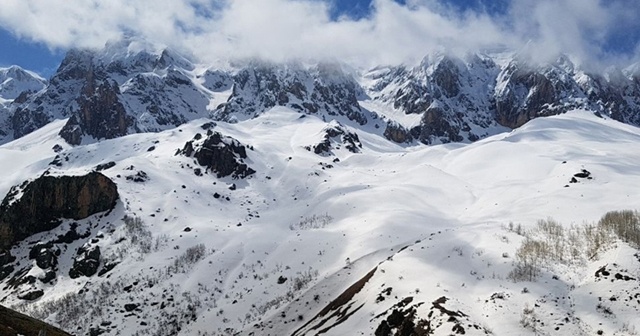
point(264, 255)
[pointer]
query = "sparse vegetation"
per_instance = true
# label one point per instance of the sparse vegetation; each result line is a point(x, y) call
point(624, 224)
point(138, 233)
point(549, 242)
point(190, 256)
point(528, 318)
point(312, 222)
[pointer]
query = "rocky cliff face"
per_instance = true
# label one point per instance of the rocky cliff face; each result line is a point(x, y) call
point(54, 102)
point(16, 84)
point(453, 96)
point(14, 323)
point(39, 205)
point(100, 114)
point(134, 86)
point(129, 86)
point(324, 89)
point(463, 99)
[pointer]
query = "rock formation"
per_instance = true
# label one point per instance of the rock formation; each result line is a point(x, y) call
point(39, 205)
point(220, 154)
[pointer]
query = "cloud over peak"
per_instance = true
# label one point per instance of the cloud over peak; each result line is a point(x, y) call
point(306, 29)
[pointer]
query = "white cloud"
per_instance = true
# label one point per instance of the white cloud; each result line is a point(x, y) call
point(282, 29)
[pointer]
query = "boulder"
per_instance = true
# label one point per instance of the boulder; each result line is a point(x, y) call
point(86, 262)
point(31, 295)
point(45, 254)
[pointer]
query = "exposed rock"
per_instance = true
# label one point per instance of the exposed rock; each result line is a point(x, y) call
point(86, 262)
point(583, 174)
point(100, 113)
point(221, 154)
point(437, 123)
point(335, 136)
point(526, 94)
point(53, 102)
point(323, 89)
point(71, 235)
point(396, 133)
point(6, 258)
point(5, 271)
point(138, 177)
point(48, 277)
point(107, 267)
point(105, 166)
point(129, 307)
point(86, 89)
point(31, 295)
point(45, 254)
point(14, 81)
point(47, 199)
point(14, 323)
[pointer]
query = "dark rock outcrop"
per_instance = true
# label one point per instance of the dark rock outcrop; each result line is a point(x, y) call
point(45, 255)
point(220, 154)
point(100, 113)
point(14, 323)
point(437, 123)
point(86, 261)
point(396, 133)
point(31, 295)
point(86, 89)
point(335, 136)
point(47, 199)
point(324, 89)
point(449, 93)
point(53, 102)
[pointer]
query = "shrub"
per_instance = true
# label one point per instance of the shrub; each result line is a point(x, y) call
point(528, 319)
point(187, 259)
point(138, 233)
point(312, 222)
point(530, 256)
point(624, 224)
point(551, 242)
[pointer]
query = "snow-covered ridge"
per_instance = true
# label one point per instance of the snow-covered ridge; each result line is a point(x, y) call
point(441, 99)
point(266, 254)
point(14, 80)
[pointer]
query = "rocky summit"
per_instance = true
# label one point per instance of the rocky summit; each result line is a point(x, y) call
point(135, 86)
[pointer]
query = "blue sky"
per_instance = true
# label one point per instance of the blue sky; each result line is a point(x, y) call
point(587, 28)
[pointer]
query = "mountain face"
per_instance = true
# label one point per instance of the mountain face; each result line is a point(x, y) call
point(132, 86)
point(464, 99)
point(15, 80)
point(15, 85)
point(127, 87)
point(323, 89)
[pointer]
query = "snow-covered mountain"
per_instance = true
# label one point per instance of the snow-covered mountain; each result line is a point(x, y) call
point(15, 84)
point(15, 80)
point(272, 237)
point(133, 86)
point(466, 99)
point(148, 194)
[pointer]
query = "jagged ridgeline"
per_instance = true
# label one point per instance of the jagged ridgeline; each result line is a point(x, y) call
point(133, 86)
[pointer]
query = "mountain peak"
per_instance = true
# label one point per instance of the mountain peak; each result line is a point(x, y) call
point(14, 80)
